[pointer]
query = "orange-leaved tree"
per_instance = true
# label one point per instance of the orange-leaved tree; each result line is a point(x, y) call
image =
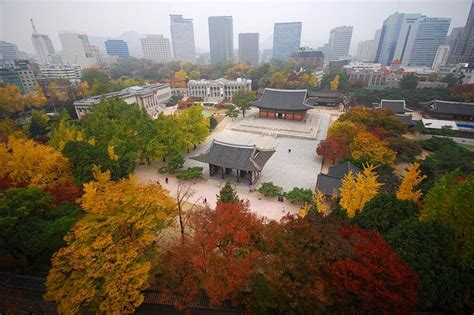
point(407, 189)
point(220, 255)
point(107, 260)
point(357, 190)
point(26, 163)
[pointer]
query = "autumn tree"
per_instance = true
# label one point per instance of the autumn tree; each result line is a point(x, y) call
point(9, 128)
point(357, 190)
point(227, 194)
point(374, 119)
point(11, 99)
point(64, 132)
point(219, 257)
point(107, 260)
point(375, 279)
point(242, 99)
point(58, 93)
point(407, 189)
point(26, 163)
point(333, 149)
point(277, 80)
point(450, 202)
point(366, 148)
point(335, 83)
point(384, 212)
point(193, 124)
point(36, 98)
point(31, 226)
point(179, 79)
point(344, 131)
point(194, 75)
point(320, 265)
point(169, 139)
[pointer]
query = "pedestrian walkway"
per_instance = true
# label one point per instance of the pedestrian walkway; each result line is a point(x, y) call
point(209, 189)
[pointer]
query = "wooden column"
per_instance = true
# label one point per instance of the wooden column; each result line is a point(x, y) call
point(238, 176)
point(223, 171)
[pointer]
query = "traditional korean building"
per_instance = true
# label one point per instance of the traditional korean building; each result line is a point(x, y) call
point(449, 110)
point(283, 104)
point(330, 183)
point(246, 160)
point(397, 106)
point(324, 98)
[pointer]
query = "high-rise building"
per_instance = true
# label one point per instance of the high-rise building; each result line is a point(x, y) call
point(221, 38)
point(309, 58)
point(76, 49)
point(453, 38)
point(8, 51)
point(267, 54)
point(182, 38)
point(363, 50)
point(418, 47)
point(286, 39)
point(463, 51)
point(441, 57)
point(389, 36)
point(339, 42)
point(156, 48)
point(248, 48)
point(71, 73)
point(117, 47)
point(374, 45)
point(26, 74)
point(43, 46)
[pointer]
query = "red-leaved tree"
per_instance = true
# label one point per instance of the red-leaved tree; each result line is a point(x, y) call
point(333, 149)
point(375, 279)
point(65, 192)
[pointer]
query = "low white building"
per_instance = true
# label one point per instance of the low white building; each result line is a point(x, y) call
point(71, 73)
point(151, 97)
point(217, 90)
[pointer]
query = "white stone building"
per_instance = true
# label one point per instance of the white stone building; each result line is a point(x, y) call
point(156, 48)
point(71, 73)
point(76, 49)
point(218, 90)
point(149, 97)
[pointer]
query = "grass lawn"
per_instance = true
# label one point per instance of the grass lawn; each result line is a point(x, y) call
point(467, 146)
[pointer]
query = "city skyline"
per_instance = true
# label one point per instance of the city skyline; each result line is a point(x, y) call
point(315, 31)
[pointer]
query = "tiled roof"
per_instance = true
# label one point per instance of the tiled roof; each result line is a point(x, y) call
point(235, 156)
point(398, 106)
point(449, 108)
point(341, 170)
point(283, 100)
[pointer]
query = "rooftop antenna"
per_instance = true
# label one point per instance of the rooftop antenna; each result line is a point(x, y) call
point(34, 28)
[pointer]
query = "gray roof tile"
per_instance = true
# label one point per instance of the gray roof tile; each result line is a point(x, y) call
point(283, 100)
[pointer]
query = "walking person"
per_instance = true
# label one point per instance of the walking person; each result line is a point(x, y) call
point(166, 180)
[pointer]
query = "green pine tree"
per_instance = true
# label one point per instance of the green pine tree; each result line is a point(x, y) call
point(227, 194)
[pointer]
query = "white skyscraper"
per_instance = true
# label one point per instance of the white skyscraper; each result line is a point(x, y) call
point(374, 45)
point(43, 46)
point(339, 42)
point(156, 48)
point(363, 50)
point(76, 49)
point(441, 57)
point(182, 38)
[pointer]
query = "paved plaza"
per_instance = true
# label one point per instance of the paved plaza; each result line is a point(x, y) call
point(294, 163)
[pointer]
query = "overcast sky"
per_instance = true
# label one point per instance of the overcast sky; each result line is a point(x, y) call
point(112, 18)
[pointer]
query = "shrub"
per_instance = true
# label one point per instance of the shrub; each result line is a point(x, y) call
point(190, 173)
point(299, 195)
point(269, 189)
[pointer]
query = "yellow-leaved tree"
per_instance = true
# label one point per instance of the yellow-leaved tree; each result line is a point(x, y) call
point(36, 98)
point(107, 260)
point(335, 83)
point(368, 148)
point(64, 132)
point(322, 205)
point(26, 163)
point(357, 190)
point(412, 178)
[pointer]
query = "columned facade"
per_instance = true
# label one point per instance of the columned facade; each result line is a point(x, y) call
point(281, 114)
